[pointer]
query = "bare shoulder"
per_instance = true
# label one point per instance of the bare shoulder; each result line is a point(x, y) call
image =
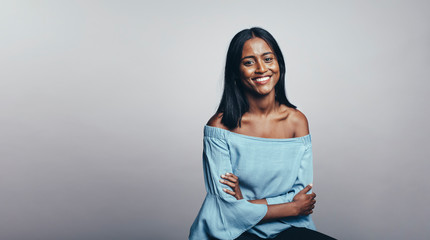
point(215, 121)
point(299, 121)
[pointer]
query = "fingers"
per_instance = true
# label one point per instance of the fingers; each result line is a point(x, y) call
point(312, 206)
point(306, 189)
point(230, 176)
point(309, 210)
point(231, 180)
point(229, 192)
point(313, 195)
point(230, 184)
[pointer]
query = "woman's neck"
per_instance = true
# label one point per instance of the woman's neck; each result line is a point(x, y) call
point(262, 106)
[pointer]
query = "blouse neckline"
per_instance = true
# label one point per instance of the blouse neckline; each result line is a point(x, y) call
point(261, 138)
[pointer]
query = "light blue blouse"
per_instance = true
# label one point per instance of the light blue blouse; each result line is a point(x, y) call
point(271, 168)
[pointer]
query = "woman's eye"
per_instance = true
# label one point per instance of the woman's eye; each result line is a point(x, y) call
point(269, 59)
point(247, 63)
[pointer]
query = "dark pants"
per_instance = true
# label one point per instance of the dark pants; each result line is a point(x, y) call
point(292, 233)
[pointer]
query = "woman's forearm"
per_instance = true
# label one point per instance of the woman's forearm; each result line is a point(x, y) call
point(258, 201)
point(277, 210)
point(280, 211)
point(302, 203)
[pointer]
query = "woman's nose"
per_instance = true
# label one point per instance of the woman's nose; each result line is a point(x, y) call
point(261, 67)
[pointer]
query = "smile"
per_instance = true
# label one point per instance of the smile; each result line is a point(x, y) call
point(262, 80)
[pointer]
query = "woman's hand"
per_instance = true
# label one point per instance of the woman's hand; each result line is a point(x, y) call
point(305, 202)
point(232, 181)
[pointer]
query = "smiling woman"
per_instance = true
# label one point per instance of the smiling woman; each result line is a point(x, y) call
point(257, 152)
point(259, 67)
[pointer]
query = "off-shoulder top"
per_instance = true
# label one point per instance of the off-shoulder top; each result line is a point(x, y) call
point(272, 168)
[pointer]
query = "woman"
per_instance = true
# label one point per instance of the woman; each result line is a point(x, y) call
point(257, 152)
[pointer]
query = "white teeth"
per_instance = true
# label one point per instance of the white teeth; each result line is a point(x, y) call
point(262, 79)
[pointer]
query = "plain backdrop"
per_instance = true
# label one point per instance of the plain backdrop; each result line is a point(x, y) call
point(103, 103)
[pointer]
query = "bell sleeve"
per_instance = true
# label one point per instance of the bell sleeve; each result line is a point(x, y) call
point(222, 216)
point(304, 176)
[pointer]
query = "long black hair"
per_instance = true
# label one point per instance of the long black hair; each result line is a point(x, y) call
point(233, 102)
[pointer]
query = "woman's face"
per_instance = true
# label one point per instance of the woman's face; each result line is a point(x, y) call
point(259, 67)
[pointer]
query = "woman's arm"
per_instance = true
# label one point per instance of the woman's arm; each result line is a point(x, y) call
point(299, 123)
point(302, 203)
point(231, 217)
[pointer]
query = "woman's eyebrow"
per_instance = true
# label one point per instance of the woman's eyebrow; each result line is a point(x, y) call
point(254, 56)
point(266, 53)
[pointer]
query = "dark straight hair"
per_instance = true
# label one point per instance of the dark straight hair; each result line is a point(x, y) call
point(233, 102)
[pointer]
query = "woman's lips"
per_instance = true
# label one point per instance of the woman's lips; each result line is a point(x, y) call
point(261, 80)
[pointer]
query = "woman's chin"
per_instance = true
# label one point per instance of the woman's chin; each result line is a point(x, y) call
point(264, 91)
point(260, 90)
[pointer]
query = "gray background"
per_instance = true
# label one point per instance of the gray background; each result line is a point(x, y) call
point(103, 103)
